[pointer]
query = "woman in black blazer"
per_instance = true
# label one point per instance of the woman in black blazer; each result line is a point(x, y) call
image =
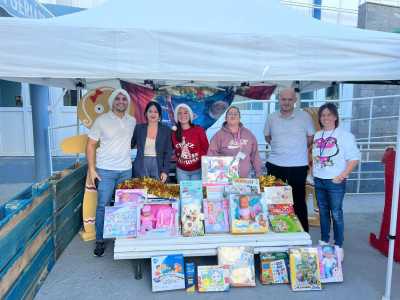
point(153, 142)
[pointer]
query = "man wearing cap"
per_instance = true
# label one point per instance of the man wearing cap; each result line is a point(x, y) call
point(110, 163)
point(290, 131)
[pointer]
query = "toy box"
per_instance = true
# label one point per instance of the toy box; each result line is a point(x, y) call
point(158, 217)
point(167, 273)
point(216, 191)
point(329, 264)
point(130, 196)
point(212, 278)
point(190, 277)
point(216, 215)
point(278, 194)
point(304, 269)
point(120, 221)
point(191, 203)
point(240, 261)
point(248, 214)
point(219, 169)
point(285, 223)
point(274, 267)
point(244, 186)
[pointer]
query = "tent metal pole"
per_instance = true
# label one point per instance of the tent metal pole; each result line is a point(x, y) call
point(393, 218)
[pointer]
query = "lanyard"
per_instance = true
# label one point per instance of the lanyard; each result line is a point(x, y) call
point(324, 142)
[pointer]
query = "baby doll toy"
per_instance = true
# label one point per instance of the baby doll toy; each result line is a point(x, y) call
point(146, 219)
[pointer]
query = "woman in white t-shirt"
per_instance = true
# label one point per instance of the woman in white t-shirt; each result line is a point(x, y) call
point(335, 154)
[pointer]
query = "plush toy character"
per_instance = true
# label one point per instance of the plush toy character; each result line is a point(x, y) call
point(146, 219)
point(192, 221)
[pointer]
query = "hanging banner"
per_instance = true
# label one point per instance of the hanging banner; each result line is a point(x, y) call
point(208, 104)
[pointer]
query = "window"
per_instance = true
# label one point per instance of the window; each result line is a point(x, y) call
point(71, 98)
point(332, 92)
point(250, 106)
point(10, 94)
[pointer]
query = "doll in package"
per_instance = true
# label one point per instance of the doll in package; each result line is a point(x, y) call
point(248, 214)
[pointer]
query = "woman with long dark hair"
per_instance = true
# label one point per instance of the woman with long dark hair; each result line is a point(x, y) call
point(153, 142)
point(190, 144)
point(335, 154)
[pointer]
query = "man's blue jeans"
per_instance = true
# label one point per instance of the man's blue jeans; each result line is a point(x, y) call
point(105, 190)
point(330, 203)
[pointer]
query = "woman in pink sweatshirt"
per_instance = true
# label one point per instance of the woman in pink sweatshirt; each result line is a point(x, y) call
point(234, 139)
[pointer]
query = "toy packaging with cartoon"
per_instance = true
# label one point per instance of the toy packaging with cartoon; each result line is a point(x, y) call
point(244, 186)
point(329, 264)
point(212, 278)
point(191, 192)
point(158, 217)
point(304, 269)
point(274, 267)
point(130, 196)
point(240, 261)
point(219, 169)
point(167, 273)
point(216, 215)
point(283, 218)
point(215, 191)
point(120, 221)
point(278, 194)
point(248, 214)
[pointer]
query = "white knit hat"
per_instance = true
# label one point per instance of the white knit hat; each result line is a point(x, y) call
point(115, 94)
point(184, 106)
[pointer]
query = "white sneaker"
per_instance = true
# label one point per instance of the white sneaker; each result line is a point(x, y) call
point(340, 253)
point(322, 243)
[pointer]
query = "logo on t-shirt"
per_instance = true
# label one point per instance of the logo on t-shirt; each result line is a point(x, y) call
point(187, 157)
point(235, 143)
point(324, 149)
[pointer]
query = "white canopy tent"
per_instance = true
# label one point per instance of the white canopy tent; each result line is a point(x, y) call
point(213, 42)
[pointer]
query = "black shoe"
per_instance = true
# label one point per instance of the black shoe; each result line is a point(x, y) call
point(99, 250)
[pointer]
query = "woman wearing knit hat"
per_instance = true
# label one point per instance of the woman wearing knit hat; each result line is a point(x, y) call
point(190, 144)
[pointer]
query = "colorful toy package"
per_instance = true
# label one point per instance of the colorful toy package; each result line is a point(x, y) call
point(248, 214)
point(244, 186)
point(304, 269)
point(167, 273)
point(285, 223)
point(280, 209)
point(219, 169)
point(190, 277)
point(240, 261)
point(158, 217)
point(120, 221)
point(130, 196)
point(216, 215)
point(274, 267)
point(212, 278)
point(283, 218)
point(191, 202)
point(278, 194)
point(329, 264)
point(216, 191)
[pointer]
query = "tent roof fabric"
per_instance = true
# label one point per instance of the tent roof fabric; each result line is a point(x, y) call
point(204, 41)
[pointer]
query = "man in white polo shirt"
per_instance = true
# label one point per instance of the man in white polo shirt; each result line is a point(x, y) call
point(290, 131)
point(110, 163)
